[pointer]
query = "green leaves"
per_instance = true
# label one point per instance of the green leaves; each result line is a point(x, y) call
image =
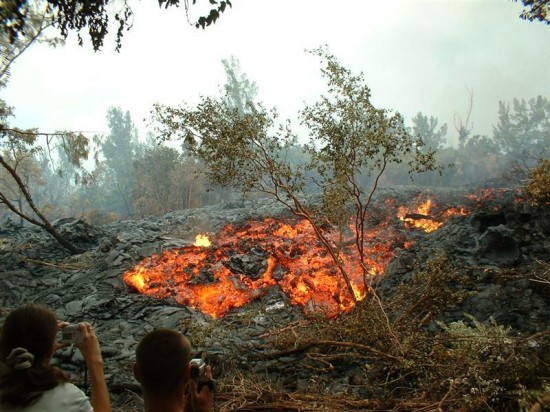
point(240, 92)
point(171, 3)
point(350, 138)
point(214, 14)
point(95, 17)
point(522, 133)
point(427, 129)
point(243, 148)
point(536, 10)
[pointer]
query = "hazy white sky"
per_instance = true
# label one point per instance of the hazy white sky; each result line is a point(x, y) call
point(417, 55)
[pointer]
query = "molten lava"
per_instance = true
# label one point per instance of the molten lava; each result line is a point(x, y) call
point(422, 217)
point(286, 253)
point(242, 262)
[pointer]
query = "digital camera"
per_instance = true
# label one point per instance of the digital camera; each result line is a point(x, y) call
point(197, 368)
point(71, 334)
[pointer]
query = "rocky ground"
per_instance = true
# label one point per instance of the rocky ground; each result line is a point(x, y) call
point(497, 235)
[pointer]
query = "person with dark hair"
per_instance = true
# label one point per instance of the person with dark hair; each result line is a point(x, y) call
point(162, 368)
point(27, 380)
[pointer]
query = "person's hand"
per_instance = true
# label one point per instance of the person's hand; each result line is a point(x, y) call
point(58, 345)
point(89, 345)
point(62, 324)
point(202, 401)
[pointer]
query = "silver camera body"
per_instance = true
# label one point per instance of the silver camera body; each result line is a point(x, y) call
point(197, 368)
point(71, 334)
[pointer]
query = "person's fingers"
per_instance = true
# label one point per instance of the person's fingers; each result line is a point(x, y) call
point(187, 402)
point(208, 372)
point(87, 329)
point(62, 324)
point(192, 388)
point(88, 343)
point(83, 328)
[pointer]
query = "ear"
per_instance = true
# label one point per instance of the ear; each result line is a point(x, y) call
point(137, 373)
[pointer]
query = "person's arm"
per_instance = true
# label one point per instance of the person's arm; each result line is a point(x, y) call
point(200, 401)
point(89, 346)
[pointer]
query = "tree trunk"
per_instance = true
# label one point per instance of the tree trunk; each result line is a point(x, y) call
point(60, 239)
point(43, 222)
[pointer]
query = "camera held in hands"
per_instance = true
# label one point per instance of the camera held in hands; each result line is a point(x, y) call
point(197, 369)
point(71, 334)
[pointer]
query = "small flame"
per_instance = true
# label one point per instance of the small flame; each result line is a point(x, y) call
point(425, 224)
point(202, 241)
point(138, 281)
point(456, 211)
point(422, 216)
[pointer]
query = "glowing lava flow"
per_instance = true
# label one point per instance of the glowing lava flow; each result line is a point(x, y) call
point(243, 262)
point(286, 253)
point(420, 217)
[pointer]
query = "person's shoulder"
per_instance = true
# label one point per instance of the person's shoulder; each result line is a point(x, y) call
point(63, 389)
point(69, 397)
point(65, 397)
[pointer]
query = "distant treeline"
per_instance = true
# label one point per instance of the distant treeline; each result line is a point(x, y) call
point(136, 178)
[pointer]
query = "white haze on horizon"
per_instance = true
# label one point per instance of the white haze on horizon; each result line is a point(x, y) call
point(415, 55)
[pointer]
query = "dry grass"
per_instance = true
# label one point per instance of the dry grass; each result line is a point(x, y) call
point(253, 393)
point(540, 272)
point(411, 361)
point(538, 185)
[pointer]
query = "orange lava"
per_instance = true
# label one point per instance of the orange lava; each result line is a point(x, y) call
point(243, 262)
point(421, 217)
point(488, 194)
point(200, 277)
